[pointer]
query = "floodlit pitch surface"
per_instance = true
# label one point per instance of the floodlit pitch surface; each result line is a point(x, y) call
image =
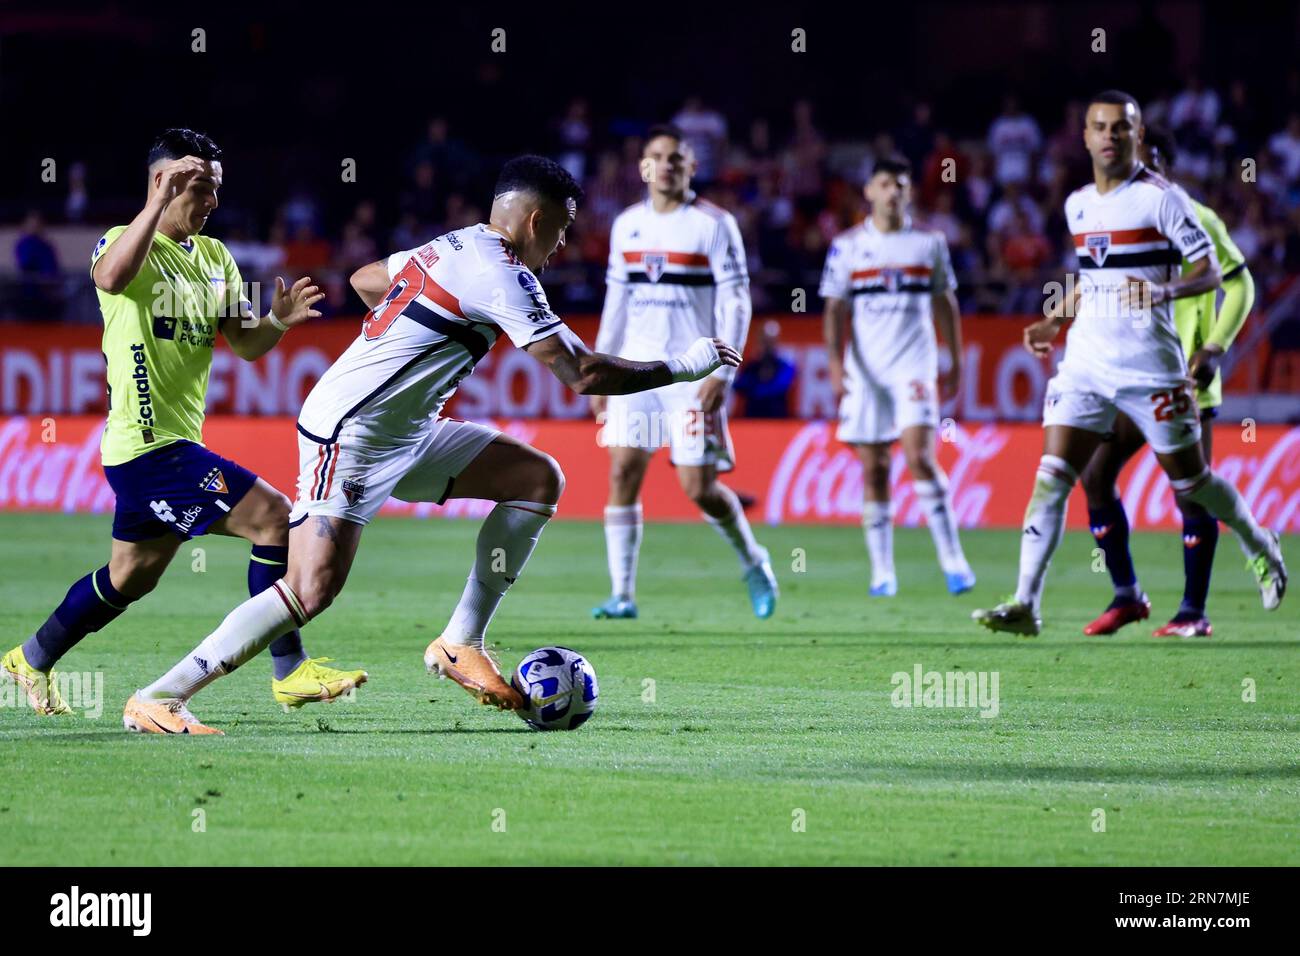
point(719, 740)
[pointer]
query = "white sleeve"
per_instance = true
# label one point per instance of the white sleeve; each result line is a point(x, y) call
point(513, 300)
point(397, 261)
point(727, 253)
point(941, 276)
point(732, 308)
point(836, 278)
point(613, 316)
point(1178, 222)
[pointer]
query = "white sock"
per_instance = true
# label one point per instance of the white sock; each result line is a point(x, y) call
point(878, 529)
point(934, 499)
point(623, 529)
point(1217, 496)
point(246, 632)
point(505, 543)
point(1044, 526)
point(735, 528)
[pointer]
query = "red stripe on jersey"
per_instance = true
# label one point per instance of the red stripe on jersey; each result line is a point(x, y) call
point(315, 475)
point(444, 298)
point(673, 258)
point(1122, 237)
point(329, 481)
point(922, 271)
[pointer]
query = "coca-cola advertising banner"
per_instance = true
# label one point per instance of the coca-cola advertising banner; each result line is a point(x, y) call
point(795, 471)
point(59, 369)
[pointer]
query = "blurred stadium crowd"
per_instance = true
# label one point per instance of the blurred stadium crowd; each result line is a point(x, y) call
point(997, 197)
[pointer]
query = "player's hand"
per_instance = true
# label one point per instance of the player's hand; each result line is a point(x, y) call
point(712, 394)
point(838, 388)
point(176, 175)
point(599, 403)
point(294, 306)
point(704, 357)
point(950, 383)
point(1039, 336)
point(1204, 365)
point(1139, 294)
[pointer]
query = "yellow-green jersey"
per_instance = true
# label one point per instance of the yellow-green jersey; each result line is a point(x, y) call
point(1195, 316)
point(158, 337)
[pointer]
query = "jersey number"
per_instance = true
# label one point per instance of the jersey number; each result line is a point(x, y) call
point(1170, 403)
point(408, 284)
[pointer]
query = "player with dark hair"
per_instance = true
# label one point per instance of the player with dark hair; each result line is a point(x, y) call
point(165, 292)
point(1132, 230)
point(676, 271)
point(890, 285)
point(372, 428)
point(1206, 333)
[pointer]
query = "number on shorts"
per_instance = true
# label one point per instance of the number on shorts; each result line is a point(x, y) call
point(1171, 402)
point(407, 285)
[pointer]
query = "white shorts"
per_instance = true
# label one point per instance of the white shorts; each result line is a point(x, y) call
point(672, 416)
point(873, 412)
point(352, 477)
point(1167, 416)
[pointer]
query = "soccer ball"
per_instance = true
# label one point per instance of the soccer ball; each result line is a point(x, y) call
point(559, 688)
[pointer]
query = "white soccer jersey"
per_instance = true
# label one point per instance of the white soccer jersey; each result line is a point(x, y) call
point(670, 268)
point(449, 300)
point(890, 278)
point(1144, 228)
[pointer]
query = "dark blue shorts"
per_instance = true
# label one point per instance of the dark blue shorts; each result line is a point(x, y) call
point(180, 488)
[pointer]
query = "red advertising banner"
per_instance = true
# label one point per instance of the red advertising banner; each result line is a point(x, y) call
point(796, 471)
point(56, 369)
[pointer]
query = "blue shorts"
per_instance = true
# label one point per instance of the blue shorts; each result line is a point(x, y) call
point(180, 488)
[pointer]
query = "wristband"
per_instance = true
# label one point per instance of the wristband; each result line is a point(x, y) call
point(276, 322)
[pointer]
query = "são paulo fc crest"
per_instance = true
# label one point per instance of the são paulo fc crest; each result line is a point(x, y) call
point(215, 482)
point(893, 278)
point(1098, 245)
point(654, 263)
point(353, 490)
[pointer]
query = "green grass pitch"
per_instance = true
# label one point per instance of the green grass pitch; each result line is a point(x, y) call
point(758, 742)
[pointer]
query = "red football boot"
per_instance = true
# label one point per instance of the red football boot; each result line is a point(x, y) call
point(1121, 611)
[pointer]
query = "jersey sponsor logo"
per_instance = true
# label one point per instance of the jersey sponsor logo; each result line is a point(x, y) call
point(188, 517)
point(164, 327)
point(215, 482)
point(654, 264)
point(454, 242)
point(353, 490)
point(1098, 245)
point(143, 392)
point(1191, 235)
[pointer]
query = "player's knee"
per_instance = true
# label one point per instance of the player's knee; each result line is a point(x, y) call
point(876, 475)
point(270, 523)
point(547, 479)
point(1098, 486)
point(921, 466)
point(623, 476)
point(317, 592)
point(136, 576)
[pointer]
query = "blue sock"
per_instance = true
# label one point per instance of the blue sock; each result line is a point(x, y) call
point(265, 567)
point(1200, 538)
point(90, 604)
point(1109, 526)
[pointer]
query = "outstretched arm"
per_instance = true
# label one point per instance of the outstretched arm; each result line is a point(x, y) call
point(250, 337)
point(594, 373)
